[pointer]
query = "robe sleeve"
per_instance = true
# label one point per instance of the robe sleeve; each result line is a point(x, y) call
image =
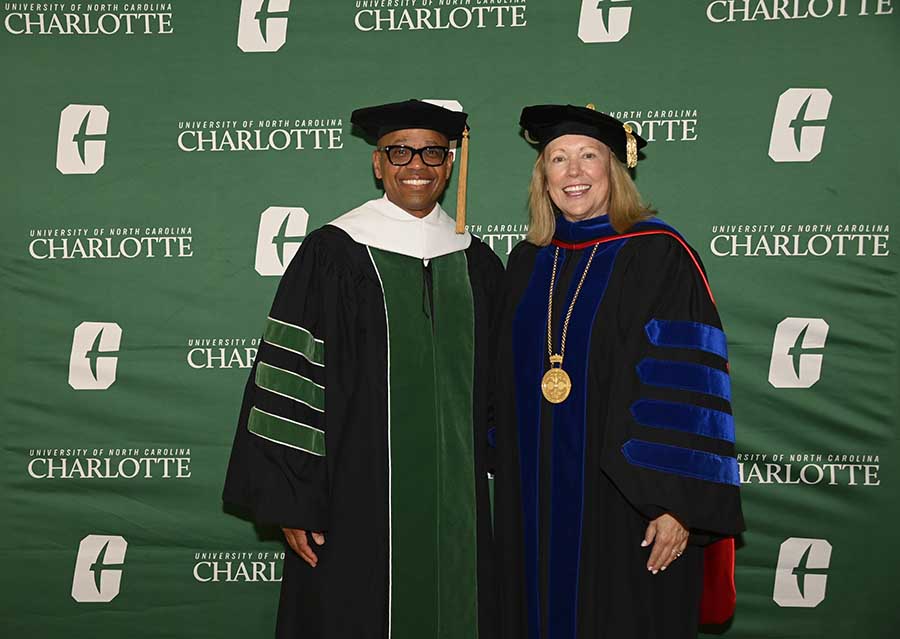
point(669, 446)
point(278, 471)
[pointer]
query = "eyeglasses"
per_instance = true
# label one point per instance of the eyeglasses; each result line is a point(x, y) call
point(400, 155)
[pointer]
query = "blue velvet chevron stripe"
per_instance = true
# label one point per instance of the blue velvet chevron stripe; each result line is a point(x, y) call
point(684, 417)
point(682, 461)
point(685, 376)
point(692, 335)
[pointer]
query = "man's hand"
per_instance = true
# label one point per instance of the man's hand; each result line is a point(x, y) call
point(296, 539)
point(669, 539)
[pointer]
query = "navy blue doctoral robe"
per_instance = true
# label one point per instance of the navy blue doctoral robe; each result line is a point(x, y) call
point(647, 429)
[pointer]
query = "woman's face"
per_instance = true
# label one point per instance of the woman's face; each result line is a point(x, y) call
point(577, 170)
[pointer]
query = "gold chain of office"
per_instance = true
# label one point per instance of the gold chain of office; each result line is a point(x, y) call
point(556, 384)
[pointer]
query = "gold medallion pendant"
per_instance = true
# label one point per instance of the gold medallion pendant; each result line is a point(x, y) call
point(556, 385)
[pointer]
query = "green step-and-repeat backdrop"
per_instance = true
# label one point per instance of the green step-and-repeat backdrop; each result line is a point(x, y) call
point(162, 162)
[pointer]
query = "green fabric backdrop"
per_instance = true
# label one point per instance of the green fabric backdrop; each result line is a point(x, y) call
point(162, 161)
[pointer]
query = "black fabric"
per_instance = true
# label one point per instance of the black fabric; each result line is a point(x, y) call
point(332, 289)
point(653, 276)
point(546, 122)
point(380, 120)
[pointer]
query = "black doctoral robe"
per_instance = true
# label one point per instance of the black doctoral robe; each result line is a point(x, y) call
point(365, 417)
point(647, 429)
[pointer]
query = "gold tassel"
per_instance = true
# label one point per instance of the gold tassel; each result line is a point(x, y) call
point(630, 147)
point(463, 178)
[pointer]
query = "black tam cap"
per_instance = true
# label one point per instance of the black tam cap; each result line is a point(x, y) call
point(379, 120)
point(546, 122)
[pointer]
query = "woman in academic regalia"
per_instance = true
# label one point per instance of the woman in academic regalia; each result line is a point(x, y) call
point(616, 464)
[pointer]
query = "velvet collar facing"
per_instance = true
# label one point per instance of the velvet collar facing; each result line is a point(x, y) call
point(594, 228)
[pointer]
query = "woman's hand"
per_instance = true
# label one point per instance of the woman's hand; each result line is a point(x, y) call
point(296, 539)
point(669, 539)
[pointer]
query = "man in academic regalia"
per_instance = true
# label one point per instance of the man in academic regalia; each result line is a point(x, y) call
point(363, 427)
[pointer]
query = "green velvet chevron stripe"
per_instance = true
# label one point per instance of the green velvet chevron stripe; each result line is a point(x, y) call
point(290, 385)
point(286, 432)
point(295, 339)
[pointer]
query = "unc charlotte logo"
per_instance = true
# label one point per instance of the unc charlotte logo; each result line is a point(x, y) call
point(91, 364)
point(592, 27)
point(81, 141)
point(799, 126)
point(800, 576)
point(263, 25)
point(281, 230)
point(793, 336)
point(98, 568)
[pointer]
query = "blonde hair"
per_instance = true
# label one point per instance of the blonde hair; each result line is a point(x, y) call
point(626, 207)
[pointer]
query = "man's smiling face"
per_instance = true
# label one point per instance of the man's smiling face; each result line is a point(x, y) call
point(416, 187)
